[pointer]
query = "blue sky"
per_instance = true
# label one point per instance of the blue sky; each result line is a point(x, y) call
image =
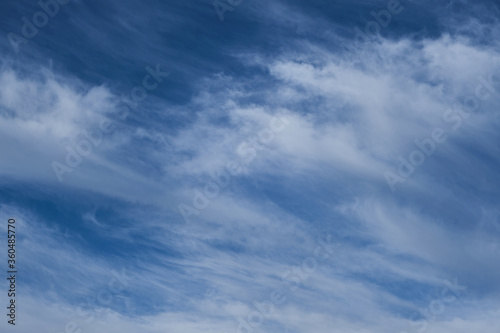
point(170, 171)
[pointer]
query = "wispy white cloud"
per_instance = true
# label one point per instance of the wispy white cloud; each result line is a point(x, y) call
point(348, 120)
